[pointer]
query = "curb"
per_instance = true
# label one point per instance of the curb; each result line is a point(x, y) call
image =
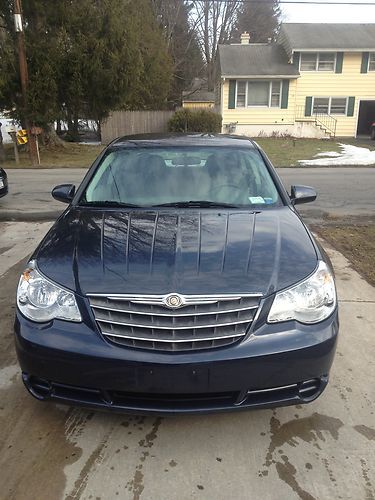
point(15, 216)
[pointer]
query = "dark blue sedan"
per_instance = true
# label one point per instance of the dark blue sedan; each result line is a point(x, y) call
point(179, 279)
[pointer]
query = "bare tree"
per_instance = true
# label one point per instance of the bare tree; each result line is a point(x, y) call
point(182, 43)
point(213, 21)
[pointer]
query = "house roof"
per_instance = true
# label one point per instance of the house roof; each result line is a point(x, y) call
point(199, 95)
point(297, 36)
point(255, 60)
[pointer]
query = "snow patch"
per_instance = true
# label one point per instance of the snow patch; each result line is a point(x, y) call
point(349, 155)
point(90, 143)
point(329, 154)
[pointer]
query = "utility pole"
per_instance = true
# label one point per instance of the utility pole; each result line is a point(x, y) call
point(18, 25)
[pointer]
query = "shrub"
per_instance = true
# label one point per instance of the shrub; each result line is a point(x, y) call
point(202, 120)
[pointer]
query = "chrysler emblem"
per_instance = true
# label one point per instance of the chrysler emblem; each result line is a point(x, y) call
point(173, 301)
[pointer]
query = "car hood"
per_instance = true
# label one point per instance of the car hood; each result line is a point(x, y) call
point(186, 251)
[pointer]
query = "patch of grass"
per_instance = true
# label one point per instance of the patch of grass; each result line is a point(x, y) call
point(285, 152)
point(71, 155)
point(360, 142)
point(357, 243)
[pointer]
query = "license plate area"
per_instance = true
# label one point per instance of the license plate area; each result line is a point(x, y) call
point(172, 379)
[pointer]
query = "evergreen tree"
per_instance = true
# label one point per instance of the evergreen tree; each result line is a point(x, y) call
point(260, 20)
point(85, 58)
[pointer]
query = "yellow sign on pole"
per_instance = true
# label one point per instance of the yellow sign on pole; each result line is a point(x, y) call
point(22, 136)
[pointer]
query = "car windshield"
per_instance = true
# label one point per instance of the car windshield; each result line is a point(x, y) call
point(162, 176)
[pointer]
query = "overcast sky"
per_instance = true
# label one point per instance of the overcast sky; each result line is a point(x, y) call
point(329, 13)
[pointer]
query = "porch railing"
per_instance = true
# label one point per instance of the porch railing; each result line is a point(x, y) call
point(323, 120)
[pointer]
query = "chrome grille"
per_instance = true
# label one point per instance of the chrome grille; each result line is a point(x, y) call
point(202, 322)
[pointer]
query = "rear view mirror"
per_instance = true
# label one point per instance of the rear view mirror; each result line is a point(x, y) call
point(64, 192)
point(302, 194)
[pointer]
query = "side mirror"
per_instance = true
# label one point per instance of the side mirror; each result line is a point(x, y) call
point(64, 192)
point(302, 194)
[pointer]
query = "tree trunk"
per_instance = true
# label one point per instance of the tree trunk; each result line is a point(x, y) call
point(99, 129)
point(75, 127)
point(211, 75)
point(51, 139)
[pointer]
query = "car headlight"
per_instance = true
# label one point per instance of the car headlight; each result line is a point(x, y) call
point(311, 301)
point(39, 299)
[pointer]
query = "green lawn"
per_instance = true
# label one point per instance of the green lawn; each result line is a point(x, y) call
point(71, 155)
point(285, 152)
point(357, 243)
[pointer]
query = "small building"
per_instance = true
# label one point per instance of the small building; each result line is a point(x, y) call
point(198, 99)
point(317, 80)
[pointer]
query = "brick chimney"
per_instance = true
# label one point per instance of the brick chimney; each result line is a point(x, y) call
point(245, 38)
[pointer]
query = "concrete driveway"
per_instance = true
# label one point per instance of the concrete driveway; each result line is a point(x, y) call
point(325, 450)
point(341, 191)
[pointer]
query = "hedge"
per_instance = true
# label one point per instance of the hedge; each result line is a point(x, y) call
point(203, 120)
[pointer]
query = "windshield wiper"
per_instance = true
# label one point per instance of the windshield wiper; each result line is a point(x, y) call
point(108, 203)
point(199, 204)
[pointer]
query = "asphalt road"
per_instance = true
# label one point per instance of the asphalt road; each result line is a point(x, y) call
point(342, 192)
point(320, 451)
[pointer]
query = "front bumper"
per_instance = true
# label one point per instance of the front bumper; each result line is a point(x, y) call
point(281, 365)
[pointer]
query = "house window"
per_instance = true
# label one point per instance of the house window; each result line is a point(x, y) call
point(308, 61)
point(321, 105)
point(371, 62)
point(314, 61)
point(330, 105)
point(259, 93)
point(326, 61)
point(241, 94)
point(338, 105)
point(275, 94)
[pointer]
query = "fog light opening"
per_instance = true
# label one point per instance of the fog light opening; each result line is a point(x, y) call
point(41, 389)
point(309, 389)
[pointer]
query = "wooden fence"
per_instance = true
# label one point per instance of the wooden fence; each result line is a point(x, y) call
point(121, 123)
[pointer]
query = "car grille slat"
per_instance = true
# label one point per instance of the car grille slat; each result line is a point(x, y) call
point(202, 322)
point(151, 313)
point(172, 326)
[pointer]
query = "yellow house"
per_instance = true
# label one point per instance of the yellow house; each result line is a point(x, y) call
point(318, 80)
point(198, 99)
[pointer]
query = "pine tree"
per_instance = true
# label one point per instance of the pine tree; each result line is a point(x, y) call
point(85, 58)
point(260, 20)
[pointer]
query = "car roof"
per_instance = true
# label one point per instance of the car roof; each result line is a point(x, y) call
point(160, 140)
